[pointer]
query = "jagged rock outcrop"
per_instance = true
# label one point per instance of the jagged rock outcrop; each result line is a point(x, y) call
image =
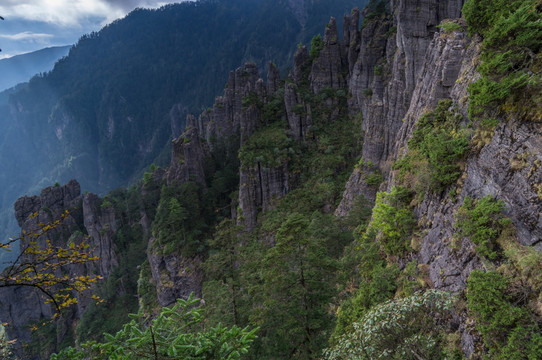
point(445, 56)
point(99, 222)
point(187, 156)
point(302, 63)
point(327, 69)
point(273, 79)
point(175, 276)
point(20, 306)
point(393, 53)
point(351, 39)
point(298, 112)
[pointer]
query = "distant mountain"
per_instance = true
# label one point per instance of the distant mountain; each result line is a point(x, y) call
point(21, 68)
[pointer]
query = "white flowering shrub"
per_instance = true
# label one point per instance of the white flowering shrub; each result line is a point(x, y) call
point(408, 328)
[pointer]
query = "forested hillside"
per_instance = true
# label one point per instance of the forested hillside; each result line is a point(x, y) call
point(380, 200)
point(111, 107)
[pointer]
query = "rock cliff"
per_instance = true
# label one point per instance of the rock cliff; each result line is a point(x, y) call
point(395, 80)
point(22, 307)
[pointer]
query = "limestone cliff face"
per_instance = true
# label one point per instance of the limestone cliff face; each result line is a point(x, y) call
point(23, 306)
point(174, 276)
point(326, 69)
point(187, 156)
point(417, 67)
point(393, 54)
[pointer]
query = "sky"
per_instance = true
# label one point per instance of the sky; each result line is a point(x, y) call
point(31, 25)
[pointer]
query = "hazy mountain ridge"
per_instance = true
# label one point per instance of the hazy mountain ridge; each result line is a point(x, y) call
point(20, 68)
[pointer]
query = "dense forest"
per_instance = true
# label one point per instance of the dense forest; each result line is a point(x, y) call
point(375, 201)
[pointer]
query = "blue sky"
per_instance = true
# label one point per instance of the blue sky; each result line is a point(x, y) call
point(31, 25)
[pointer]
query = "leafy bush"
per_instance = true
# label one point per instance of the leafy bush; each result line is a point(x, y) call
point(378, 287)
point(450, 26)
point(177, 333)
point(269, 146)
point(393, 220)
point(374, 179)
point(180, 221)
point(482, 221)
point(512, 32)
point(481, 15)
point(317, 44)
point(407, 328)
point(436, 148)
point(508, 330)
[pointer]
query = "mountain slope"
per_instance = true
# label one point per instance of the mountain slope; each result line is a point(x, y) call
point(21, 68)
point(110, 108)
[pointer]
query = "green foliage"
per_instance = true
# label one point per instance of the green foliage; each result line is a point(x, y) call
point(450, 26)
point(317, 44)
point(374, 179)
point(177, 333)
point(298, 274)
point(269, 147)
point(6, 345)
point(403, 329)
point(252, 99)
point(508, 330)
point(482, 15)
point(274, 109)
point(393, 220)
point(482, 221)
point(146, 290)
point(147, 175)
point(180, 223)
point(512, 32)
point(378, 70)
point(436, 149)
point(223, 289)
point(308, 241)
point(377, 286)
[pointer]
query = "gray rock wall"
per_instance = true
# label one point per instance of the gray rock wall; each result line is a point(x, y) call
point(20, 306)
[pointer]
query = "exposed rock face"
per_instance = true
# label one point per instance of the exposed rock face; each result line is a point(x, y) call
point(388, 70)
point(509, 169)
point(259, 187)
point(351, 39)
point(273, 79)
point(101, 226)
point(175, 276)
point(298, 112)
point(302, 62)
point(187, 156)
point(85, 215)
point(326, 69)
point(428, 66)
point(445, 56)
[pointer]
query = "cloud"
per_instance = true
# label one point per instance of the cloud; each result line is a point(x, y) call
point(73, 13)
point(27, 36)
